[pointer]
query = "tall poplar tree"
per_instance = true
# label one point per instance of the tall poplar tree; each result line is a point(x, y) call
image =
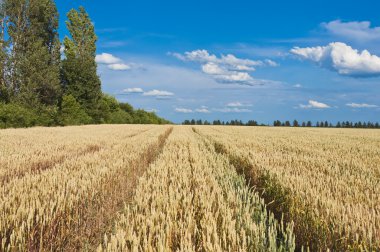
point(4, 97)
point(79, 73)
point(35, 56)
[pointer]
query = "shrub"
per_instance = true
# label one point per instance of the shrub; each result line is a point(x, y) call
point(72, 113)
point(13, 115)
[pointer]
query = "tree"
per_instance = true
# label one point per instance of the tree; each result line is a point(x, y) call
point(34, 57)
point(15, 115)
point(79, 74)
point(309, 124)
point(252, 123)
point(295, 123)
point(71, 112)
point(277, 123)
point(4, 92)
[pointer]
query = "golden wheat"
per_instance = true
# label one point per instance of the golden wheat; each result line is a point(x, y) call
point(37, 207)
point(191, 199)
point(333, 176)
point(140, 188)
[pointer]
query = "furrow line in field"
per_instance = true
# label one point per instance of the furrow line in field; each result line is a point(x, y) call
point(191, 199)
point(35, 168)
point(316, 234)
point(57, 207)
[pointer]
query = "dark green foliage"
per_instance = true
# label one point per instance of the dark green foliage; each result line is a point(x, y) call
point(142, 117)
point(79, 74)
point(34, 52)
point(15, 115)
point(72, 113)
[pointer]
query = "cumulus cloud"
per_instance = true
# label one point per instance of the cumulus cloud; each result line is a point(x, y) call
point(232, 110)
point(202, 109)
point(183, 110)
point(226, 68)
point(106, 58)
point(297, 85)
point(341, 58)
point(314, 105)
point(119, 67)
point(353, 30)
point(238, 104)
point(133, 90)
point(213, 69)
point(361, 105)
point(158, 93)
point(112, 62)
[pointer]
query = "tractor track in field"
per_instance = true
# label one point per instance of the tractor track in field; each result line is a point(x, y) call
point(36, 168)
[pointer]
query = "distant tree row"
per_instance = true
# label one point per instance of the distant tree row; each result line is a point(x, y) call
point(326, 124)
point(294, 123)
point(40, 84)
point(218, 122)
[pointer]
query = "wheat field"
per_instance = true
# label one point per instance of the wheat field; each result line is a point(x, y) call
point(184, 188)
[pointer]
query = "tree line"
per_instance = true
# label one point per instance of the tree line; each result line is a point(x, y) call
point(44, 82)
point(295, 123)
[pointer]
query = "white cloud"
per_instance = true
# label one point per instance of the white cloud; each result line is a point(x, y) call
point(238, 104)
point(202, 110)
point(183, 110)
point(213, 69)
point(297, 85)
point(229, 60)
point(119, 67)
point(226, 68)
point(133, 90)
point(152, 110)
point(314, 104)
point(158, 93)
point(112, 62)
point(106, 58)
point(361, 105)
point(353, 30)
point(232, 110)
point(271, 63)
point(342, 58)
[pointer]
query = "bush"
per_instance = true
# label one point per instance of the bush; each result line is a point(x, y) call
point(120, 117)
point(72, 113)
point(13, 115)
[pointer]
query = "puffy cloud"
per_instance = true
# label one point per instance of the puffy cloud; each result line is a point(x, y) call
point(158, 93)
point(271, 63)
point(183, 110)
point(297, 85)
point(361, 105)
point(341, 58)
point(133, 90)
point(353, 30)
point(238, 104)
point(213, 69)
point(226, 68)
point(112, 62)
point(152, 110)
point(106, 58)
point(202, 109)
point(314, 104)
point(230, 61)
point(119, 67)
point(232, 110)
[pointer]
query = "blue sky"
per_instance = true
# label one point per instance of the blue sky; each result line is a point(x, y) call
point(262, 60)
